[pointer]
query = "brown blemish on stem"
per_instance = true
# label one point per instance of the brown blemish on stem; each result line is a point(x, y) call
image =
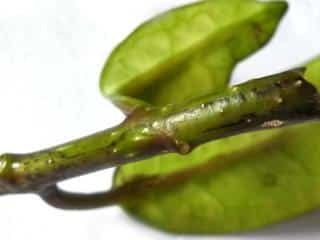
point(272, 124)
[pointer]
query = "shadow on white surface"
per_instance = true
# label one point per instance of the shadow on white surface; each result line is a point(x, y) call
point(303, 227)
point(306, 227)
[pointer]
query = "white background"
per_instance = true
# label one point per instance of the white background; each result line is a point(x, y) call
point(51, 55)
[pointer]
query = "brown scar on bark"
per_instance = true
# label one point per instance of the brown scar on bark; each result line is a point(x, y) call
point(272, 124)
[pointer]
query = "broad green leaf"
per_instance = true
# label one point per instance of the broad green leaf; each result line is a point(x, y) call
point(187, 52)
point(180, 55)
point(251, 180)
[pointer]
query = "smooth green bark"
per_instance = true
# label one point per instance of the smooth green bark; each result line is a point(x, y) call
point(270, 102)
point(202, 37)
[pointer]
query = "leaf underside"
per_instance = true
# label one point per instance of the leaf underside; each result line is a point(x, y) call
point(266, 176)
point(188, 52)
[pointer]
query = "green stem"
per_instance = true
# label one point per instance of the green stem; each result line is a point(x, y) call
point(269, 102)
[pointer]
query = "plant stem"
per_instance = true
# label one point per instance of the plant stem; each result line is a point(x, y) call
point(270, 102)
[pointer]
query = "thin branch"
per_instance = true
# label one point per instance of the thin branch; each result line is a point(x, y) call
point(270, 102)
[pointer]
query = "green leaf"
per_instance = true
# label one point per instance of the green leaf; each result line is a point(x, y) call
point(312, 73)
point(186, 53)
point(244, 186)
point(267, 182)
